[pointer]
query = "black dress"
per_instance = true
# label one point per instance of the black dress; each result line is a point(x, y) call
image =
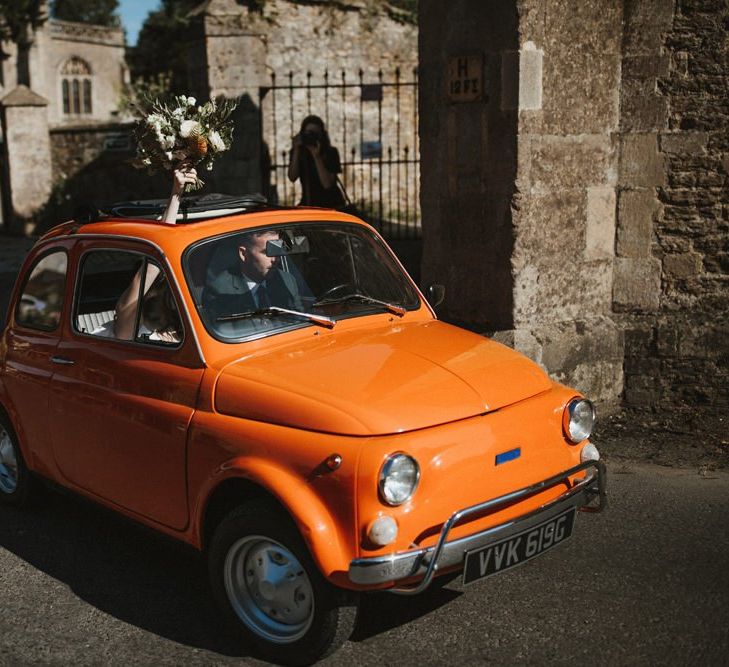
point(313, 192)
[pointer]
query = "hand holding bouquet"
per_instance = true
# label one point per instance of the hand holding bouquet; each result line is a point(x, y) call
point(180, 134)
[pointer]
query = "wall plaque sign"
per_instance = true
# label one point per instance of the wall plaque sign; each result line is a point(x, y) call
point(465, 78)
point(118, 142)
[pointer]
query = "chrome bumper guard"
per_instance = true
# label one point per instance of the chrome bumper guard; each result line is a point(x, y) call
point(426, 562)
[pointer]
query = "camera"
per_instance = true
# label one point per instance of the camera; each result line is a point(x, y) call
point(310, 138)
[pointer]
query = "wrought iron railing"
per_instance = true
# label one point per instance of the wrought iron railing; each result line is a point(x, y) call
point(374, 125)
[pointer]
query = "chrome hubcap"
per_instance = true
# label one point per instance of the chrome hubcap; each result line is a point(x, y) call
point(8, 463)
point(269, 589)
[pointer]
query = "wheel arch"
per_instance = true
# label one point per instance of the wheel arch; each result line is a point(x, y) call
point(251, 479)
point(225, 497)
point(11, 416)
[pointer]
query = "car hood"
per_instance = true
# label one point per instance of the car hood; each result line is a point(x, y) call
point(390, 380)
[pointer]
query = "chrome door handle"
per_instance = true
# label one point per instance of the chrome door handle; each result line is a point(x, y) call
point(63, 360)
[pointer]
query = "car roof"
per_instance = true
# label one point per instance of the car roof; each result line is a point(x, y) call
point(174, 238)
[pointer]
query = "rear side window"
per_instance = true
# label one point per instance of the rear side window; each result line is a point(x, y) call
point(41, 300)
point(113, 285)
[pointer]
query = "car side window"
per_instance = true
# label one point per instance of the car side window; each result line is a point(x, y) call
point(105, 276)
point(159, 321)
point(41, 300)
point(108, 300)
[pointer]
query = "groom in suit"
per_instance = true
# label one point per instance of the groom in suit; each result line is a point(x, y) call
point(256, 281)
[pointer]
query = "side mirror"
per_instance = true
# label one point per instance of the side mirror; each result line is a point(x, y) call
point(435, 295)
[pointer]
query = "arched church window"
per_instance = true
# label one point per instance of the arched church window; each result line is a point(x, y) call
point(65, 89)
point(76, 81)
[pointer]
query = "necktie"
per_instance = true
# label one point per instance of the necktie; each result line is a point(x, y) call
point(262, 296)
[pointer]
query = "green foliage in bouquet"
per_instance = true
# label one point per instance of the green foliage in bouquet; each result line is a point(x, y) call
point(179, 133)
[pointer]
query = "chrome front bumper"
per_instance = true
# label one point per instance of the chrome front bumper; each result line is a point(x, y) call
point(427, 561)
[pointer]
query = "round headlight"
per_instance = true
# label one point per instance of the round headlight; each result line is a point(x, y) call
point(399, 478)
point(578, 419)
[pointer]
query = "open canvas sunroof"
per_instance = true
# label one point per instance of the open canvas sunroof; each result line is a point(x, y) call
point(201, 207)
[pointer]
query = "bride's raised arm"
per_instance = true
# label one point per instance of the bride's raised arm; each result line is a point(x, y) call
point(181, 177)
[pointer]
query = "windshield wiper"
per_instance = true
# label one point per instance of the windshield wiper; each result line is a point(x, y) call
point(393, 308)
point(275, 310)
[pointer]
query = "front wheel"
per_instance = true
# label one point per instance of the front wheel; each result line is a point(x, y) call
point(267, 584)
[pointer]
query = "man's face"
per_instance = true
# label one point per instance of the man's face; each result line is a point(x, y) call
point(254, 261)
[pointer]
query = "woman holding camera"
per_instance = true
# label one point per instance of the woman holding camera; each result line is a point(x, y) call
point(315, 161)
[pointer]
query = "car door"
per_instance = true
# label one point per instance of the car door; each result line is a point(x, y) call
point(30, 341)
point(121, 406)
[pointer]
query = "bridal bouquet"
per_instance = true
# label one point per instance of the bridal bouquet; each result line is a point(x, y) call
point(180, 133)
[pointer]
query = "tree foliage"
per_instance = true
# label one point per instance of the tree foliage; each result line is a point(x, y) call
point(18, 18)
point(409, 7)
point(162, 47)
point(18, 21)
point(97, 12)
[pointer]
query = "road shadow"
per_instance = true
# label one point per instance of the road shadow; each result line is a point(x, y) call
point(154, 583)
point(380, 612)
point(121, 569)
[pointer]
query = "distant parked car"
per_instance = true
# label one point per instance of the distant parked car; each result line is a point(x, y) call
point(269, 386)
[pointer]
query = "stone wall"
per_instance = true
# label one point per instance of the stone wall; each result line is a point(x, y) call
point(564, 210)
point(326, 40)
point(519, 188)
point(316, 43)
point(91, 165)
point(25, 155)
point(671, 290)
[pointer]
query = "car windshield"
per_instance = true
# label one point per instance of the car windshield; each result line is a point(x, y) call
point(267, 280)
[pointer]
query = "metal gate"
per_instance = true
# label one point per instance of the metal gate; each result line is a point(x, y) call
point(374, 125)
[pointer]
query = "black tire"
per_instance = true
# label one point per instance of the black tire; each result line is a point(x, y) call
point(299, 619)
point(17, 485)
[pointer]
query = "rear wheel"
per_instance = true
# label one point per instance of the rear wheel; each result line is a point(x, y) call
point(269, 587)
point(16, 483)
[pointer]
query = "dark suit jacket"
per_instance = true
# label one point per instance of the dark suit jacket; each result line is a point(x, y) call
point(228, 293)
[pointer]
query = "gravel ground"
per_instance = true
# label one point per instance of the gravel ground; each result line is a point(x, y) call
point(683, 437)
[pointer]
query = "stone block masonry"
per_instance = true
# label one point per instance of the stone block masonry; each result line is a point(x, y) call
point(612, 118)
point(26, 154)
point(564, 226)
point(673, 211)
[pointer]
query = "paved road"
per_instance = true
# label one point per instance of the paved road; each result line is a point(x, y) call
point(645, 583)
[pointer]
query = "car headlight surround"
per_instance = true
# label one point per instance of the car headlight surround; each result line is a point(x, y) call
point(578, 419)
point(399, 477)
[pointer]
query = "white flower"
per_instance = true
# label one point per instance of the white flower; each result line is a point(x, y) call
point(188, 128)
point(179, 112)
point(216, 141)
point(168, 141)
point(209, 166)
point(191, 101)
point(168, 155)
point(155, 120)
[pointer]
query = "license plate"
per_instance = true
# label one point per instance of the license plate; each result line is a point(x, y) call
point(519, 548)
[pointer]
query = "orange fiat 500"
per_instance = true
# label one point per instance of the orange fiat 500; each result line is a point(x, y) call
point(269, 386)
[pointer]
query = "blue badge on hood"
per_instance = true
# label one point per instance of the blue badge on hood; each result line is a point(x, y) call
point(505, 457)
